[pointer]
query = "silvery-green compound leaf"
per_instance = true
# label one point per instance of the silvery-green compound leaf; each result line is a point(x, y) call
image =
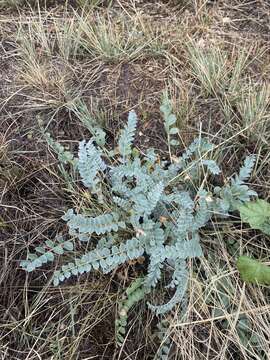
point(154, 271)
point(104, 259)
point(46, 253)
point(212, 166)
point(87, 225)
point(127, 135)
point(199, 146)
point(182, 279)
point(90, 163)
point(246, 170)
point(154, 196)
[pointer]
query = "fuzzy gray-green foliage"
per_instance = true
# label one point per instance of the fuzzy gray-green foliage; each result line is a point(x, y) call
point(155, 209)
point(46, 253)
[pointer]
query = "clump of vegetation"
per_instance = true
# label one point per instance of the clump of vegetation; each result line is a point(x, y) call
point(153, 208)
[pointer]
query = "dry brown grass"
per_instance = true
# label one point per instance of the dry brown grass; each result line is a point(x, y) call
point(213, 58)
point(225, 319)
